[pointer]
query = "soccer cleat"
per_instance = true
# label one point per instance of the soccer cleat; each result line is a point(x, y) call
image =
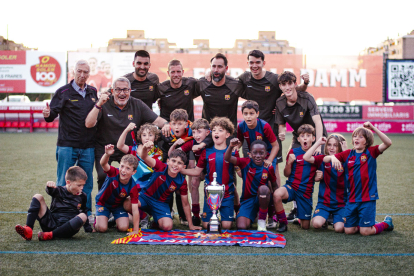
point(282, 227)
point(296, 221)
point(196, 221)
point(25, 231)
point(325, 225)
point(183, 221)
point(144, 222)
point(111, 221)
point(271, 223)
point(292, 215)
point(330, 220)
point(388, 220)
point(45, 236)
point(261, 225)
point(91, 219)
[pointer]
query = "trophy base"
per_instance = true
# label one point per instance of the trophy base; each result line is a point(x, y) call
point(213, 229)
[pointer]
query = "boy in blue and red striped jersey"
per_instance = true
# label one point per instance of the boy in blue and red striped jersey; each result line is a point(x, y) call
point(300, 182)
point(332, 194)
point(117, 187)
point(165, 180)
point(360, 166)
point(255, 192)
point(252, 129)
point(213, 160)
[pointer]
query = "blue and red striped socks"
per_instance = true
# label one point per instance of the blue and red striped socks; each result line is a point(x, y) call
point(379, 227)
point(262, 213)
point(281, 217)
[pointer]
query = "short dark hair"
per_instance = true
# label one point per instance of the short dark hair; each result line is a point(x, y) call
point(306, 128)
point(151, 128)
point(251, 105)
point(200, 124)
point(179, 114)
point(223, 122)
point(286, 76)
point(178, 153)
point(219, 55)
point(260, 142)
point(256, 54)
point(130, 160)
point(76, 173)
point(142, 53)
point(174, 62)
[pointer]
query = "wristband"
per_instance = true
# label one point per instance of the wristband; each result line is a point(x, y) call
point(100, 108)
point(306, 83)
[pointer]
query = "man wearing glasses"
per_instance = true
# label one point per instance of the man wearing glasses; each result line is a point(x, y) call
point(75, 143)
point(112, 114)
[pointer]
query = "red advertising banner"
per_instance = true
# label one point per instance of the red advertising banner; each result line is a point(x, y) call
point(12, 86)
point(12, 57)
point(400, 112)
point(395, 127)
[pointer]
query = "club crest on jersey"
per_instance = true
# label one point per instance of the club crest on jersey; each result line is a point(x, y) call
point(264, 176)
point(259, 137)
point(122, 194)
point(130, 117)
point(186, 92)
point(341, 169)
point(100, 209)
point(316, 211)
point(93, 99)
point(344, 218)
point(301, 114)
point(151, 88)
point(363, 158)
point(172, 188)
point(79, 206)
point(227, 97)
point(267, 88)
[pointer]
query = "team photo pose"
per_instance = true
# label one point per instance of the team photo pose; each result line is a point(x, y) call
point(332, 195)
point(256, 192)
point(117, 187)
point(67, 212)
point(360, 168)
point(300, 181)
point(165, 180)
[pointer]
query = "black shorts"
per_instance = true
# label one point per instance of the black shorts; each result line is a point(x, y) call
point(48, 222)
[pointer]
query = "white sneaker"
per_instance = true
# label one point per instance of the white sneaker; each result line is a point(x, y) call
point(271, 223)
point(144, 222)
point(261, 225)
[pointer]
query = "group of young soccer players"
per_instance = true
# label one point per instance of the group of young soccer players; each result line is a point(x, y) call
point(144, 185)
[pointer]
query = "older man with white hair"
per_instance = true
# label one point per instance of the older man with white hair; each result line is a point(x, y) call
point(112, 114)
point(75, 143)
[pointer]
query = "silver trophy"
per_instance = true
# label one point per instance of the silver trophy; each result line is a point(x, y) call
point(214, 196)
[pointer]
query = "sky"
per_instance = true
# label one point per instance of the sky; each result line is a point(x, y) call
point(317, 27)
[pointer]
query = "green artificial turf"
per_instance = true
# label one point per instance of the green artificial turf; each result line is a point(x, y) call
point(27, 162)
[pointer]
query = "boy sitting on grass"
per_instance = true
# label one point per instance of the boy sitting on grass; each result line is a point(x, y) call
point(165, 180)
point(300, 181)
point(67, 211)
point(117, 187)
point(255, 192)
point(360, 166)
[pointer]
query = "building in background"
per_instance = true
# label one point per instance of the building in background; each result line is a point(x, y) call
point(6, 44)
point(136, 40)
point(400, 48)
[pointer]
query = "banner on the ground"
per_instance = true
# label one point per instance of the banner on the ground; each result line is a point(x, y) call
point(187, 237)
point(31, 71)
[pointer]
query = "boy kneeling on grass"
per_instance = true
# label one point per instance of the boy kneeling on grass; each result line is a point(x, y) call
point(67, 211)
point(117, 187)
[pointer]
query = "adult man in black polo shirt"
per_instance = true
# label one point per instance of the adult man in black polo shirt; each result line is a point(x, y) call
point(144, 85)
point(177, 92)
point(263, 87)
point(76, 143)
point(221, 95)
point(112, 114)
point(296, 108)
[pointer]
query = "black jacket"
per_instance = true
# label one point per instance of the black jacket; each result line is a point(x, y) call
point(73, 109)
